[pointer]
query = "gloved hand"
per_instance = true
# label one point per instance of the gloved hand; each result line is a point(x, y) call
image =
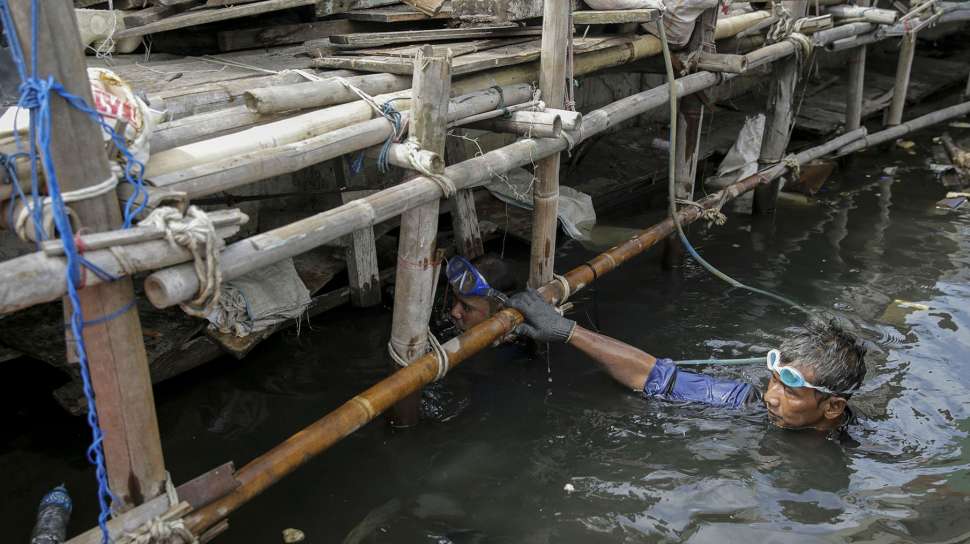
point(542, 322)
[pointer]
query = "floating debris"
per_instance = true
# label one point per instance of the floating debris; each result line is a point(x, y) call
point(291, 536)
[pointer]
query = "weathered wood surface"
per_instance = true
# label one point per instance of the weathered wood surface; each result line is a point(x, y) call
point(361, 253)
point(464, 217)
point(599, 17)
point(457, 49)
point(252, 38)
point(379, 39)
point(397, 14)
point(429, 8)
point(155, 13)
point(193, 18)
point(507, 55)
point(824, 112)
point(330, 7)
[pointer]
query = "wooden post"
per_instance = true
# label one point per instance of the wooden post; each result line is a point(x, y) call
point(556, 30)
point(690, 118)
point(777, 129)
point(907, 48)
point(115, 348)
point(416, 253)
point(363, 273)
point(857, 76)
point(464, 217)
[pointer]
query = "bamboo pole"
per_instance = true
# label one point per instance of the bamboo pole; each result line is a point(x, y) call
point(267, 469)
point(854, 98)
point(907, 49)
point(902, 129)
point(531, 124)
point(214, 177)
point(318, 94)
point(869, 14)
point(556, 32)
point(777, 130)
point(414, 288)
point(115, 349)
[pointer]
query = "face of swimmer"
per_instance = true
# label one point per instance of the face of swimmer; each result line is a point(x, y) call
point(470, 311)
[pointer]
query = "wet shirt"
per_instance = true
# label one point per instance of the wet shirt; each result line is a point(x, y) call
point(667, 381)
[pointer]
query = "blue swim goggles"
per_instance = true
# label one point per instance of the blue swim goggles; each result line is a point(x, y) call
point(467, 281)
point(791, 376)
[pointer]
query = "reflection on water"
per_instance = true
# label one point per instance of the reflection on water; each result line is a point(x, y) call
point(493, 465)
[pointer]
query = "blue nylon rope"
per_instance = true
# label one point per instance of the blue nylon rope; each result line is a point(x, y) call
point(36, 94)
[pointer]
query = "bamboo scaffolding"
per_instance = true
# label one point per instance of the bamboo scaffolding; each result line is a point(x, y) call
point(907, 49)
point(267, 469)
point(902, 129)
point(318, 122)
point(855, 96)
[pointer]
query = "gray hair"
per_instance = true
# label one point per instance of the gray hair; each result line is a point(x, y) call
point(836, 356)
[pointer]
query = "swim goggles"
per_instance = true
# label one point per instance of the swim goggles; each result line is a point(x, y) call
point(790, 376)
point(467, 281)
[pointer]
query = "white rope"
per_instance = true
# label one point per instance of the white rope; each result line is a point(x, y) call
point(563, 288)
point(165, 529)
point(794, 167)
point(434, 346)
point(93, 191)
point(445, 183)
point(194, 231)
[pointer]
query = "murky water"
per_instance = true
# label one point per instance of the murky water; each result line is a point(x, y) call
point(873, 249)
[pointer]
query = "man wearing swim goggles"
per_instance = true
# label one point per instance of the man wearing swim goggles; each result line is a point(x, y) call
point(475, 298)
point(813, 374)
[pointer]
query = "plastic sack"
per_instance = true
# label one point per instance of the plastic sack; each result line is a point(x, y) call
point(575, 211)
point(115, 100)
point(680, 18)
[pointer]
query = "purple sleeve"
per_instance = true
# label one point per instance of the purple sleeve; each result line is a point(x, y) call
point(668, 382)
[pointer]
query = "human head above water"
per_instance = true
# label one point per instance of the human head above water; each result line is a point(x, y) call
point(827, 356)
point(501, 275)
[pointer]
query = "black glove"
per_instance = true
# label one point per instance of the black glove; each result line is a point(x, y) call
point(542, 322)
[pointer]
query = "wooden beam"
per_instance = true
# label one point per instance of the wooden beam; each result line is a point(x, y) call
point(201, 17)
point(556, 33)
point(330, 7)
point(396, 14)
point(601, 17)
point(427, 7)
point(362, 270)
point(268, 36)
point(378, 39)
point(115, 349)
point(155, 13)
point(907, 49)
point(464, 217)
point(414, 288)
point(855, 95)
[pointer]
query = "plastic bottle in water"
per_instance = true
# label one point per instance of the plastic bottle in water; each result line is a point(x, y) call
point(52, 517)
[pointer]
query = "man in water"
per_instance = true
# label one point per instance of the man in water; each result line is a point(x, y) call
point(813, 374)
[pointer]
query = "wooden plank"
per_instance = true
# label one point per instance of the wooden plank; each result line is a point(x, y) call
point(379, 39)
point(332, 7)
point(468, 63)
point(362, 270)
point(156, 13)
point(251, 38)
point(223, 3)
point(599, 17)
point(464, 217)
point(200, 17)
point(457, 48)
point(427, 7)
point(397, 14)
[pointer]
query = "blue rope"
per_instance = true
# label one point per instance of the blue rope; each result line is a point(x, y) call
point(36, 94)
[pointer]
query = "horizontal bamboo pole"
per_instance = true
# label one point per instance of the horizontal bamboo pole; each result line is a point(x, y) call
point(318, 94)
point(267, 469)
point(214, 177)
point(537, 124)
point(36, 278)
point(318, 122)
point(716, 62)
point(870, 14)
point(900, 130)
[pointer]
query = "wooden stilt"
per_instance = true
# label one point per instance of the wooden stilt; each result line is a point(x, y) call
point(556, 30)
point(464, 217)
point(907, 48)
point(416, 253)
point(362, 270)
point(857, 76)
point(690, 118)
point(115, 349)
point(777, 130)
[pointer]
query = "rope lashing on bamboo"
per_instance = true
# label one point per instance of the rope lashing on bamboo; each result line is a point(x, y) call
point(169, 528)
point(385, 110)
point(434, 346)
point(787, 28)
point(194, 231)
point(46, 213)
point(563, 288)
point(713, 216)
point(445, 183)
point(794, 167)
